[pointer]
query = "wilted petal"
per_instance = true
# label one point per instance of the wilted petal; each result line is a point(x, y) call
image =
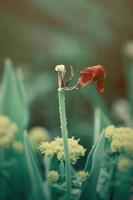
point(86, 76)
point(100, 85)
point(94, 73)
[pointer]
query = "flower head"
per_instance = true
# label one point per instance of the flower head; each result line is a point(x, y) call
point(61, 75)
point(82, 176)
point(128, 49)
point(124, 164)
point(94, 73)
point(121, 139)
point(60, 68)
point(37, 135)
point(53, 176)
point(56, 147)
point(17, 146)
point(8, 129)
point(122, 109)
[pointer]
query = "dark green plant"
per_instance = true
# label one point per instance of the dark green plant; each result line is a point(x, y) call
point(20, 176)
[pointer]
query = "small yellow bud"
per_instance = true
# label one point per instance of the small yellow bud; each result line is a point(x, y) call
point(128, 50)
point(17, 145)
point(53, 176)
point(37, 135)
point(124, 164)
point(82, 176)
point(4, 142)
point(8, 129)
point(14, 128)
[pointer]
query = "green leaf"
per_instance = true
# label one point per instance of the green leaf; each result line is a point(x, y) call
point(11, 102)
point(106, 177)
point(93, 167)
point(123, 185)
point(22, 91)
point(36, 182)
point(21, 178)
point(100, 121)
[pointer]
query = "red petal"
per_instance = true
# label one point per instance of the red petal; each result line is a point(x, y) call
point(100, 85)
point(86, 76)
point(94, 73)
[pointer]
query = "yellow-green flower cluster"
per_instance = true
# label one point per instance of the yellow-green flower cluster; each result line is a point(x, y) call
point(8, 129)
point(17, 146)
point(53, 176)
point(56, 147)
point(121, 139)
point(82, 176)
point(37, 135)
point(124, 164)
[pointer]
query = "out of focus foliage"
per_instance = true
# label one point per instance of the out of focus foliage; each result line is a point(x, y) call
point(37, 35)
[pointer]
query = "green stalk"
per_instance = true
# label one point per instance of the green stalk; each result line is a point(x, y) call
point(62, 169)
point(97, 124)
point(63, 121)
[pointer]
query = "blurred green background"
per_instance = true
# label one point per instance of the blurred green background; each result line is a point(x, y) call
point(37, 35)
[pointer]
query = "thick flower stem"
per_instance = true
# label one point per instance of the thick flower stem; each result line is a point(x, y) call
point(61, 95)
point(97, 124)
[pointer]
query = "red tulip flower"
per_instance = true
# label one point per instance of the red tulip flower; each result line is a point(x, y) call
point(94, 73)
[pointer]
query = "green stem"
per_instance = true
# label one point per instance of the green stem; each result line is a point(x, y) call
point(62, 111)
point(97, 124)
point(61, 167)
